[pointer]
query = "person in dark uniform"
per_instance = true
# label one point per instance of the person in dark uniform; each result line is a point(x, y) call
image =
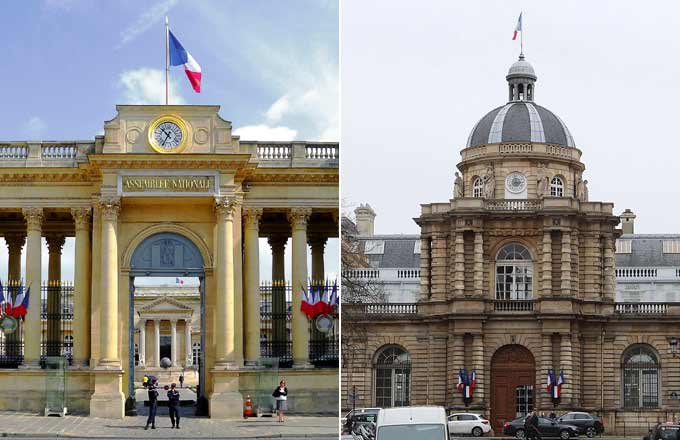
point(153, 404)
point(531, 427)
point(181, 380)
point(173, 405)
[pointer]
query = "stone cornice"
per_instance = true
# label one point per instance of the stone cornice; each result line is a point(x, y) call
point(175, 161)
point(44, 175)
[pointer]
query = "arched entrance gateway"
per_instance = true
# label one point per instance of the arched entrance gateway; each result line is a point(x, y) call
point(513, 381)
point(166, 254)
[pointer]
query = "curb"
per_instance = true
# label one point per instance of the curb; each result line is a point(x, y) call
point(257, 437)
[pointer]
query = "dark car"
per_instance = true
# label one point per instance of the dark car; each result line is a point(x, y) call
point(664, 431)
point(586, 423)
point(547, 428)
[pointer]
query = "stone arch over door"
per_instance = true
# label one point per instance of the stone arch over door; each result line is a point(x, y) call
point(513, 380)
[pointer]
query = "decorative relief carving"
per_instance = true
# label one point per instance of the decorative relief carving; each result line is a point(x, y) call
point(225, 207)
point(167, 252)
point(201, 136)
point(82, 217)
point(298, 217)
point(34, 218)
point(132, 135)
point(251, 217)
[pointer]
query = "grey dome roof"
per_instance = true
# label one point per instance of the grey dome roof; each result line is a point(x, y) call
point(521, 68)
point(520, 121)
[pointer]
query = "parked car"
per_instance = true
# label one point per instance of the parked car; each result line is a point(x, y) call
point(586, 423)
point(664, 431)
point(412, 422)
point(359, 416)
point(547, 427)
point(467, 423)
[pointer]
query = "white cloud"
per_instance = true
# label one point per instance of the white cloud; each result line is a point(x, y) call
point(277, 110)
point(35, 127)
point(262, 132)
point(147, 86)
point(146, 20)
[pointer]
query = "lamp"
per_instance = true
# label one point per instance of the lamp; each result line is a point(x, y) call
point(673, 345)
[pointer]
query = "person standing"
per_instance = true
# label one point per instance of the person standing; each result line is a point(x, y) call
point(281, 395)
point(173, 405)
point(153, 404)
point(181, 380)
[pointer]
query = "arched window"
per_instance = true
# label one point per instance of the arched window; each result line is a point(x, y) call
point(477, 187)
point(392, 377)
point(556, 187)
point(640, 377)
point(196, 353)
point(514, 272)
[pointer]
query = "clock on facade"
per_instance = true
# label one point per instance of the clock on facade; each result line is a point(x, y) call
point(168, 134)
point(515, 182)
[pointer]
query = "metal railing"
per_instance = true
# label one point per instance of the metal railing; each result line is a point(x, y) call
point(513, 305)
point(641, 308)
point(56, 298)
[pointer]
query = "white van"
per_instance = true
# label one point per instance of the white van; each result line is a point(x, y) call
point(411, 423)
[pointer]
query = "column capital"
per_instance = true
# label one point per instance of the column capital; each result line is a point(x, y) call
point(110, 208)
point(15, 242)
point(173, 322)
point(298, 217)
point(82, 217)
point(251, 217)
point(156, 321)
point(225, 207)
point(34, 218)
point(317, 241)
point(187, 321)
point(55, 243)
point(277, 242)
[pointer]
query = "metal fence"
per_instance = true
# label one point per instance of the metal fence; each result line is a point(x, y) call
point(56, 317)
point(276, 331)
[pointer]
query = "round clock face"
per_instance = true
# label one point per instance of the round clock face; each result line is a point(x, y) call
point(168, 134)
point(515, 182)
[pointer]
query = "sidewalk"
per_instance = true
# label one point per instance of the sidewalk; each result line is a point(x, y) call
point(28, 424)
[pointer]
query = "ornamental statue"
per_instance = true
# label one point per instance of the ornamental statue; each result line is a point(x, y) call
point(582, 190)
point(541, 182)
point(489, 182)
point(458, 187)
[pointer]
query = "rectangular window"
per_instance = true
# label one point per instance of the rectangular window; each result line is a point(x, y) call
point(671, 246)
point(624, 246)
point(374, 247)
point(416, 247)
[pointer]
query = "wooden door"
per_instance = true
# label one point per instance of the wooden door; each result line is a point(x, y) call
point(512, 366)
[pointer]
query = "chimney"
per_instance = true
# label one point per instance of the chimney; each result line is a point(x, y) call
point(628, 221)
point(365, 219)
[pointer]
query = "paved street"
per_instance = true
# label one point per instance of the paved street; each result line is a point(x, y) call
point(25, 425)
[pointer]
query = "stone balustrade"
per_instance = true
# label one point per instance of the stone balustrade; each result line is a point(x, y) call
point(321, 151)
point(274, 151)
point(516, 148)
point(512, 205)
point(641, 308)
point(391, 309)
point(13, 152)
point(382, 274)
point(59, 152)
point(513, 305)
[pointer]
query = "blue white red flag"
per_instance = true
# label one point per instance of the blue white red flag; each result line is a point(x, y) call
point(518, 28)
point(558, 387)
point(473, 381)
point(179, 281)
point(460, 381)
point(20, 306)
point(549, 384)
point(180, 56)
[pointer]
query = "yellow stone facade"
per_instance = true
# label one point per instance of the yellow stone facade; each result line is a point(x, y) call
point(219, 194)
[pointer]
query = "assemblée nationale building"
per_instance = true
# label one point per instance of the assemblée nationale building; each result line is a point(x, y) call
point(166, 191)
point(517, 275)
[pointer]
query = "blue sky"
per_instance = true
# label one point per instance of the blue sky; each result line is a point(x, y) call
point(271, 65)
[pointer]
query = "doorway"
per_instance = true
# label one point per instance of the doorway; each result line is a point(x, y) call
point(513, 379)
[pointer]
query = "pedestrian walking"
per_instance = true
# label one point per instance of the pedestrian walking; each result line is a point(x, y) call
point(153, 404)
point(281, 395)
point(531, 427)
point(181, 380)
point(173, 405)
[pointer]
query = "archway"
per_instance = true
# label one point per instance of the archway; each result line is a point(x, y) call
point(165, 255)
point(513, 380)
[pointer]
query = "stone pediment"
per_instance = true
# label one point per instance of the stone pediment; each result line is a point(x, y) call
point(165, 305)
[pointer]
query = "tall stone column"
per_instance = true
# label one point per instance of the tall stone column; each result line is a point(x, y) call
point(157, 343)
point(278, 245)
point(81, 289)
point(546, 268)
point(55, 244)
point(225, 309)
point(457, 348)
point(609, 275)
point(110, 207)
point(34, 218)
point(173, 342)
point(543, 399)
point(142, 342)
point(187, 343)
point(318, 244)
point(478, 366)
point(566, 264)
point(251, 268)
point(14, 245)
point(567, 367)
point(459, 264)
point(479, 264)
point(298, 218)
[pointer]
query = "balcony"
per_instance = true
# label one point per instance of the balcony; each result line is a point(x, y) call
point(295, 154)
point(512, 205)
point(513, 305)
point(384, 310)
point(641, 308)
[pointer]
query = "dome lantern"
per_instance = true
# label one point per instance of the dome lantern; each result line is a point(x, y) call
point(521, 79)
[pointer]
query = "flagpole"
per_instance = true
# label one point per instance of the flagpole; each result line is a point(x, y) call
point(521, 34)
point(167, 59)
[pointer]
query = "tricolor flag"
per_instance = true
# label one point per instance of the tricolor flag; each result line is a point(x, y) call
point(557, 392)
point(549, 384)
point(473, 381)
point(179, 56)
point(179, 281)
point(460, 380)
point(20, 307)
point(518, 28)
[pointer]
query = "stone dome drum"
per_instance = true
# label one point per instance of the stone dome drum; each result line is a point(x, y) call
point(520, 120)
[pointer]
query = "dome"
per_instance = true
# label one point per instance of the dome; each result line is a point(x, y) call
point(520, 120)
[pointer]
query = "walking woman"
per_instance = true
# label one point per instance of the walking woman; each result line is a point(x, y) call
point(281, 395)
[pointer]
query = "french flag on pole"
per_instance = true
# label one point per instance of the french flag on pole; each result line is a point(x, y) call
point(20, 307)
point(179, 56)
point(518, 28)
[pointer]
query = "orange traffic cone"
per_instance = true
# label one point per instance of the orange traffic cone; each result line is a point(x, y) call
point(248, 411)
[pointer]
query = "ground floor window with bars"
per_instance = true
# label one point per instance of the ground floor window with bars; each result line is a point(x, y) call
point(640, 367)
point(392, 371)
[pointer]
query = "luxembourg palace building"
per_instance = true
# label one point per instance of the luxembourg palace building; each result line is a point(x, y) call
point(166, 191)
point(517, 276)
